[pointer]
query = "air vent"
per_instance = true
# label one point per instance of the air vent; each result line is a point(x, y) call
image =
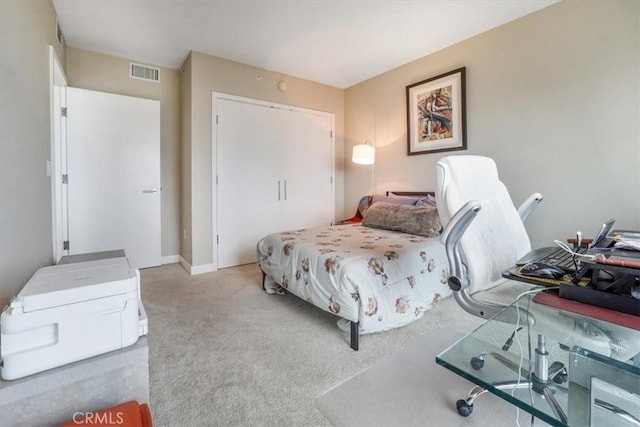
point(144, 72)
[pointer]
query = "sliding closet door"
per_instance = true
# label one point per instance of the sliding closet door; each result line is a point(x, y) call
point(249, 185)
point(308, 170)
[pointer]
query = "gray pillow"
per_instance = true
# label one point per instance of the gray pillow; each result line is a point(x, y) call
point(418, 220)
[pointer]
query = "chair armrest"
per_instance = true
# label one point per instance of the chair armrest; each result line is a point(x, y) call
point(458, 278)
point(451, 236)
point(528, 206)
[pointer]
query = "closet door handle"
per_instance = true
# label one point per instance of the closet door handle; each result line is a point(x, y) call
point(285, 189)
point(278, 190)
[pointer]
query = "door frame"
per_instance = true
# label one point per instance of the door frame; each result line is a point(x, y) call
point(216, 96)
point(57, 166)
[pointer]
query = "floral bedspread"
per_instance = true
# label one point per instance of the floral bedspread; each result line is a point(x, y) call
point(383, 279)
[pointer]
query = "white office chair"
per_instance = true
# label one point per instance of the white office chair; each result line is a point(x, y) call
point(489, 242)
point(485, 235)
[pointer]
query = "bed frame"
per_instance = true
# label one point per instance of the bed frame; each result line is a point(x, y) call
point(410, 193)
point(355, 326)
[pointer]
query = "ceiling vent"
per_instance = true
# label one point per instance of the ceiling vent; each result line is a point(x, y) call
point(144, 72)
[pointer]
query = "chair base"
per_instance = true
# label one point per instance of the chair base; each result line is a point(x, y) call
point(556, 375)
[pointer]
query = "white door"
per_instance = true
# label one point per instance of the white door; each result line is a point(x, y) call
point(249, 186)
point(113, 166)
point(274, 172)
point(58, 86)
point(308, 170)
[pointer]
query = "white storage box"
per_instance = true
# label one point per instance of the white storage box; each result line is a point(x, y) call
point(71, 312)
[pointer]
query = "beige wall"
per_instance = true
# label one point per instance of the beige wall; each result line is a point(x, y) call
point(104, 73)
point(209, 74)
point(185, 160)
point(27, 28)
point(553, 97)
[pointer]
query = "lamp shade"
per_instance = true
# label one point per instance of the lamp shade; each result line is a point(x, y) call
point(363, 154)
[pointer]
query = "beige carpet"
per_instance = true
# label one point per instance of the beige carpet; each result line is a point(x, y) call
point(222, 352)
point(408, 388)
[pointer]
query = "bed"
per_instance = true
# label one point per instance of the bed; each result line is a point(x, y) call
point(372, 275)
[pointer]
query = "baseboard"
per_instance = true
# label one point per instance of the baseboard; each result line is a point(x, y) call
point(185, 265)
point(197, 269)
point(201, 269)
point(170, 259)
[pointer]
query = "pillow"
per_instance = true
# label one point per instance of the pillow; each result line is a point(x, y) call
point(419, 220)
point(428, 200)
point(363, 205)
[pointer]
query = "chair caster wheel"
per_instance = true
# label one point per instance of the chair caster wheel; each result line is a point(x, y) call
point(560, 378)
point(464, 408)
point(477, 363)
point(562, 375)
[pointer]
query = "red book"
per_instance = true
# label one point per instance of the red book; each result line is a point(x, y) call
point(619, 261)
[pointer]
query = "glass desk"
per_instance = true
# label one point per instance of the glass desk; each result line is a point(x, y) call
point(571, 355)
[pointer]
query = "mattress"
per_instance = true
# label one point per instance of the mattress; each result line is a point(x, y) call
point(382, 279)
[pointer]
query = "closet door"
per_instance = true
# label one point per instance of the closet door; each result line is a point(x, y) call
point(249, 189)
point(274, 173)
point(308, 170)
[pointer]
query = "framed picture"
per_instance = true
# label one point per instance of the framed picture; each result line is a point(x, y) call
point(436, 117)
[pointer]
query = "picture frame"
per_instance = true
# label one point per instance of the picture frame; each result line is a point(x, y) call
point(436, 114)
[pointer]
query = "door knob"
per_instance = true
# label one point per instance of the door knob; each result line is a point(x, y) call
point(153, 190)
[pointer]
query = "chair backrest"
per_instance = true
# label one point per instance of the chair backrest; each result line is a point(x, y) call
point(496, 239)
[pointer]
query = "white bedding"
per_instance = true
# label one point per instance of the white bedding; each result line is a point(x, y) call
point(382, 279)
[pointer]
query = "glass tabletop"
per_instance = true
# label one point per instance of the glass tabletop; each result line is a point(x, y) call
point(535, 356)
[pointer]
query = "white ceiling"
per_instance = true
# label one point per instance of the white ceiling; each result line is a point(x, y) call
point(336, 42)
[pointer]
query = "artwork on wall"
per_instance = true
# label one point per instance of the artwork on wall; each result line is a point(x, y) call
point(436, 117)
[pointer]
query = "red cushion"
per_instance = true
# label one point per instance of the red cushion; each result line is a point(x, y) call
point(353, 219)
point(128, 414)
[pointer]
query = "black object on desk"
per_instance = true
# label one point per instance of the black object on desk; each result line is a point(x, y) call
point(613, 293)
